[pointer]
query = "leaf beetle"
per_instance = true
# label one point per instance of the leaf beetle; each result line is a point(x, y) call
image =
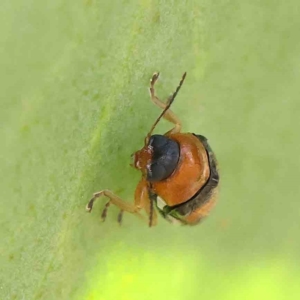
point(179, 173)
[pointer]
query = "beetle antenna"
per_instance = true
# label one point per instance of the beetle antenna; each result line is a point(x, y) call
point(151, 213)
point(168, 104)
point(151, 195)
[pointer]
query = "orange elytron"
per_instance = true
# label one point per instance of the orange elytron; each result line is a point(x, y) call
point(179, 173)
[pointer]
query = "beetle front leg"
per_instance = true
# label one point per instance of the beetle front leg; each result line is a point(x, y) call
point(169, 115)
point(116, 200)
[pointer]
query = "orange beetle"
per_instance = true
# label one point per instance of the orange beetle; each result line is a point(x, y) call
point(179, 173)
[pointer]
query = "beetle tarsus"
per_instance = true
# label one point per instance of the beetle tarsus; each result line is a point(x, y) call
point(104, 212)
point(89, 206)
point(154, 78)
point(120, 217)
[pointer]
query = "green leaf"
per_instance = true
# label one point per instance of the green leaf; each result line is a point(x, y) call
point(75, 105)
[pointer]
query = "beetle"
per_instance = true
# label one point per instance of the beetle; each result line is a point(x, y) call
point(179, 173)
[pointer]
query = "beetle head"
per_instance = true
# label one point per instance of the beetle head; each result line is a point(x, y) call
point(142, 159)
point(158, 159)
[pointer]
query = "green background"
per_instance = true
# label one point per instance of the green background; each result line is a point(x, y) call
point(74, 106)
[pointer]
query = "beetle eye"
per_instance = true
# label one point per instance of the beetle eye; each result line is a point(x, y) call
point(164, 159)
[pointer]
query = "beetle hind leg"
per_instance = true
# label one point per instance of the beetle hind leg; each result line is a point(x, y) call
point(169, 115)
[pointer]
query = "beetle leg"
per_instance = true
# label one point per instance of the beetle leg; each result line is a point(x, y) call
point(169, 115)
point(120, 217)
point(114, 199)
point(104, 212)
point(142, 200)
